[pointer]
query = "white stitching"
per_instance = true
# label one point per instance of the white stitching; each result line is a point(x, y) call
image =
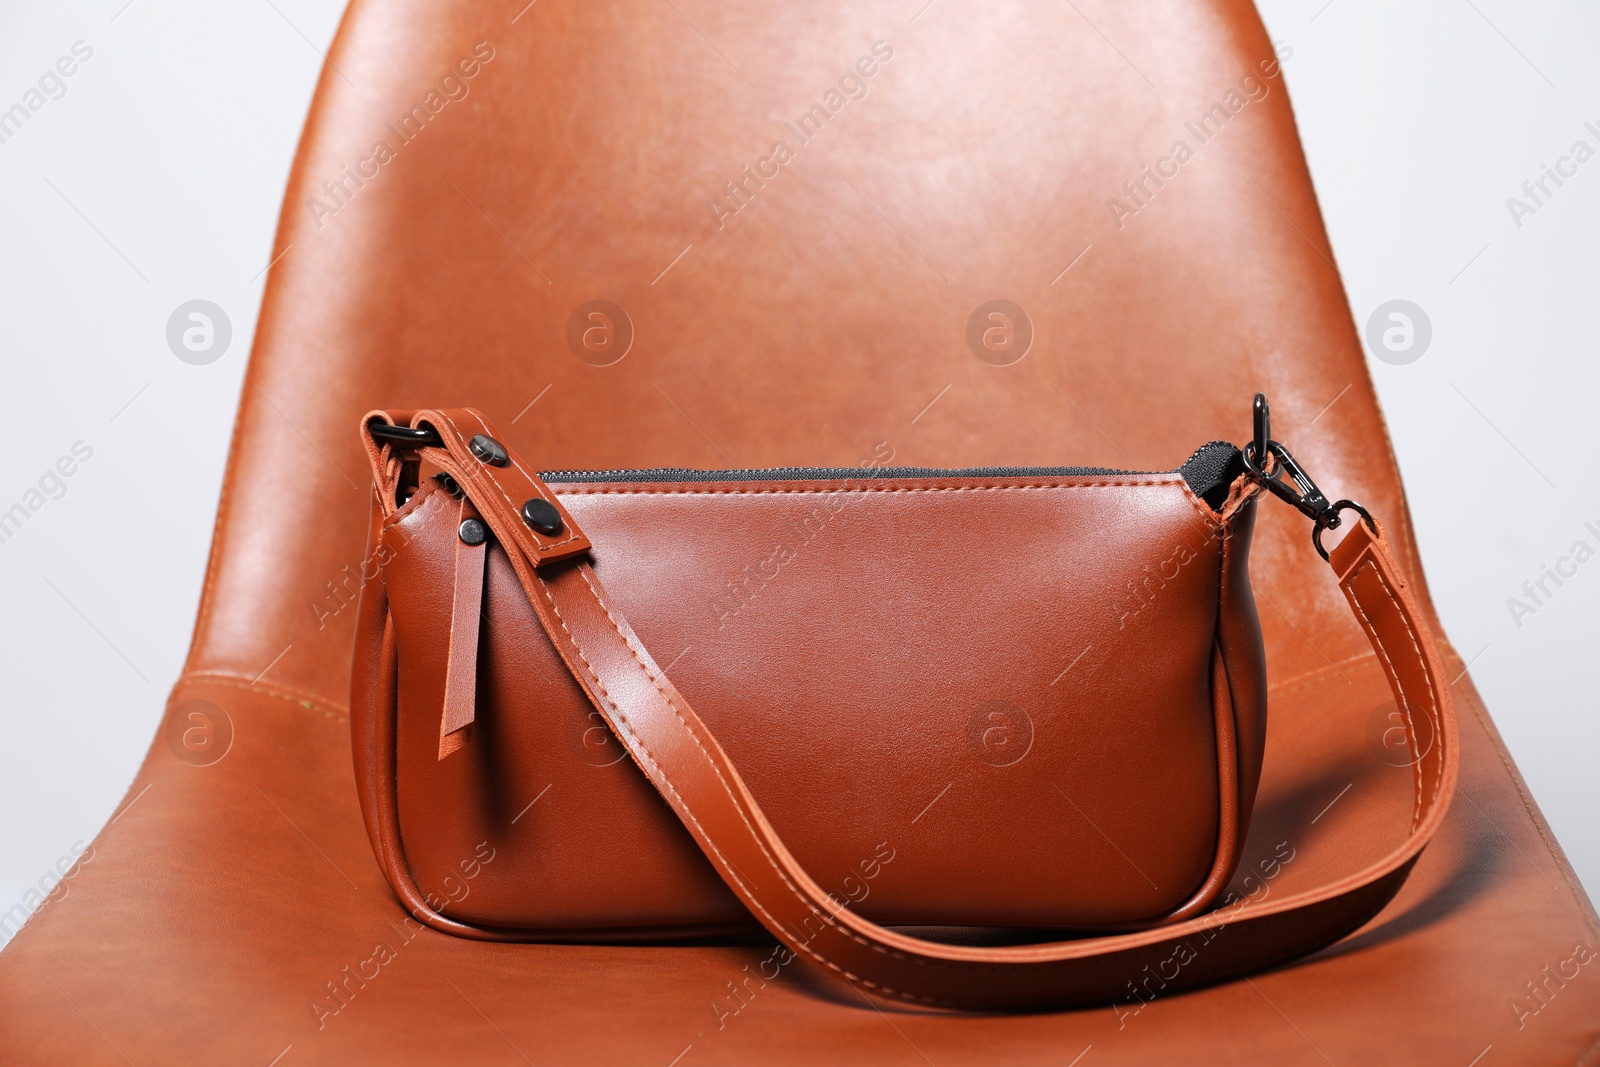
point(1394, 675)
point(715, 769)
point(307, 701)
point(689, 813)
point(541, 549)
point(1434, 712)
point(850, 487)
point(1210, 518)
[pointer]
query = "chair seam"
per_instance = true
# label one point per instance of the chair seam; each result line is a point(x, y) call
point(297, 697)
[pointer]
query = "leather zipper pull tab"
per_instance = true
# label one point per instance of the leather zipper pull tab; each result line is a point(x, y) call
point(461, 672)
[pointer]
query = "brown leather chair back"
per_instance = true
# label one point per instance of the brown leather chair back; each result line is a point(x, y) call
point(798, 220)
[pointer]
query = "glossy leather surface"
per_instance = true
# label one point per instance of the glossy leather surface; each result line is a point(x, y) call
point(222, 905)
point(671, 744)
point(914, 650)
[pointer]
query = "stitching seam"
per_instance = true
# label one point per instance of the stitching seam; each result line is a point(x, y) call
point(1427, 670)
point(283, 693)
point(850, 488)
point(866, 486)
point(688, 812)
point(723, 780)
point(1394, 678)
point(540, 550)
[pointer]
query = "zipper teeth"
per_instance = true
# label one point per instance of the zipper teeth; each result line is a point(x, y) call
point(780, 474)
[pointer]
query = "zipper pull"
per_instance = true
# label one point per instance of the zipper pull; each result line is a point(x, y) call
point(1304, 494)
point(461, 665)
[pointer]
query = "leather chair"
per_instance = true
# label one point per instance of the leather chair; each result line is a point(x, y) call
point(543, 156)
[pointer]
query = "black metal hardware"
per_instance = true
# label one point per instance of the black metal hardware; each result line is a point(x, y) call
point(541, 515)
point(1268, 461)
point(488, 450)
point(1338, 506)
point(474, 532)
point(411, 436)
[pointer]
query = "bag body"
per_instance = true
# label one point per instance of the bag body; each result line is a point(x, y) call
point(1025, 700)
point(660, 704)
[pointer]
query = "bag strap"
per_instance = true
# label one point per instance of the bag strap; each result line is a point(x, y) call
point(695, 776)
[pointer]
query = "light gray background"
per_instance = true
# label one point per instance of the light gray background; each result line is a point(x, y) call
point(156, 179)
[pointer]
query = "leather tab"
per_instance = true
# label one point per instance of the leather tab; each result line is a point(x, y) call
point(388, 463)
point(499, 492)
point(461, 673)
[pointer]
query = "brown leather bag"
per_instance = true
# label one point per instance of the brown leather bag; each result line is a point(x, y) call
point(882, 702)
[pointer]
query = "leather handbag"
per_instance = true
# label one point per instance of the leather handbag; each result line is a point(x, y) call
point(980, 738)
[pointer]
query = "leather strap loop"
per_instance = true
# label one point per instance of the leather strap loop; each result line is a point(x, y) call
point(677, 752)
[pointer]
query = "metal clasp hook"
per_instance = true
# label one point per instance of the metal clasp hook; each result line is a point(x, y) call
point(1303, 494)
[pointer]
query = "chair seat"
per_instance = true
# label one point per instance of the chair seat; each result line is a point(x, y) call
point(234, 911)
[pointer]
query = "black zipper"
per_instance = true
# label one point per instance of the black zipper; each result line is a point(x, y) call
point(1209, 472)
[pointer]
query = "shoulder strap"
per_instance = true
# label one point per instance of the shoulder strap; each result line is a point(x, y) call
point(676, 751)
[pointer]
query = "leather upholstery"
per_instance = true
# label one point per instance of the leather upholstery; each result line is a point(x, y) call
point(234, 912)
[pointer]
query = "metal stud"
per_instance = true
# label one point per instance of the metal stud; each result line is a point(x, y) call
point(489, 450)
point(542, 516)
point(474, 532)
